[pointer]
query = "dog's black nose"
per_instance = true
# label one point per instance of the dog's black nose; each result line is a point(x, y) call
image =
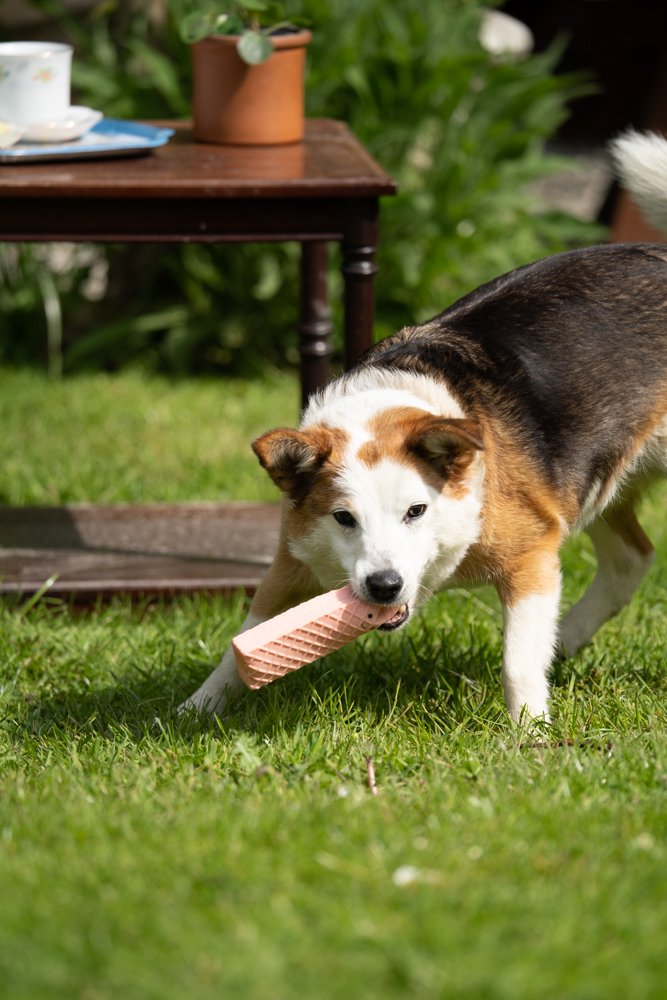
point(384, 585)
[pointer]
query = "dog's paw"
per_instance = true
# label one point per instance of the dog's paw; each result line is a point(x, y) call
point(219, 688)
point(205, 703)
point(194, 706)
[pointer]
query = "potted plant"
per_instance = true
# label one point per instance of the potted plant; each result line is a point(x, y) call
point(247, 78)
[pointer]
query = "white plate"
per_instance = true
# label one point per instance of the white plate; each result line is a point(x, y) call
point(10, 133)
point(75, 123)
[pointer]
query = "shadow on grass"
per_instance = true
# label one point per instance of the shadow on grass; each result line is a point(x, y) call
point(374, 682)
point(443, 671)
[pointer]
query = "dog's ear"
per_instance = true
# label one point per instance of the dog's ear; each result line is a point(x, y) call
point(448, 444)
point(292, 458)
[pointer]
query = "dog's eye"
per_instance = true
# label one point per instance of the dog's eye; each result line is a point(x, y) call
point(415, 511)
point(345, 518)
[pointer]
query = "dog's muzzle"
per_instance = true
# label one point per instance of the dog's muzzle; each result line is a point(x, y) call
point(384, 586)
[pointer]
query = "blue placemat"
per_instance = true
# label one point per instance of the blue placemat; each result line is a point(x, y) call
point(110, 137)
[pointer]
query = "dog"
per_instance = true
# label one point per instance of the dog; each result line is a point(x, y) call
point(467, 449)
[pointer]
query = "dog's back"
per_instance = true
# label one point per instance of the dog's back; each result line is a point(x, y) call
point(568, 354)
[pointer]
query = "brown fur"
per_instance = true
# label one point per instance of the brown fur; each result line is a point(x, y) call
point(287, 582)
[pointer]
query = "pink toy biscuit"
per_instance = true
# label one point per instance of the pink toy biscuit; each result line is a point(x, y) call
point(303, 634)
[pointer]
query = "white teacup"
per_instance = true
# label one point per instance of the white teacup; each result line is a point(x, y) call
point(34, 81)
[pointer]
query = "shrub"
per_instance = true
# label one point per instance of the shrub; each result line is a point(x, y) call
point(462, 132)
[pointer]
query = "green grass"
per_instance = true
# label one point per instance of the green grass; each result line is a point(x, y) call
point(146, 857)
point(132, 438)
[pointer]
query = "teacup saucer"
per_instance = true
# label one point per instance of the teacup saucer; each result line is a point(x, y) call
point(10, 134)
point(73, 125)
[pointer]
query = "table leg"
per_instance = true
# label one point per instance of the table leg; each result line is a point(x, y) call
point(315, 326)
point(359, 270)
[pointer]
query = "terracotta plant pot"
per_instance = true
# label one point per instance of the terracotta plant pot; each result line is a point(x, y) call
point(249, 105)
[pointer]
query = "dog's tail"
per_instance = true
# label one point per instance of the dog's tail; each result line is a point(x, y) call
point(640, 162)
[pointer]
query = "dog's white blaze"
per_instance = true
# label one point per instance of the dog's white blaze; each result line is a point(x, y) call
point(368, 391)
point(424, 551)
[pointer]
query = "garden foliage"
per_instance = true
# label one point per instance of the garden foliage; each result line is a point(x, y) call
point(462, 132)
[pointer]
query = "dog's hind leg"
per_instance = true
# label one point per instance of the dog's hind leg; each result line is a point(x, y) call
point(623, 554)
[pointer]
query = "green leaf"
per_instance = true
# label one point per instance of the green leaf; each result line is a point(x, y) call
point(196, 26)
point(234, 25)
point(254, 47)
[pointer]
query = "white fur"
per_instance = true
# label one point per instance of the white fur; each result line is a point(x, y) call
point(640, 160)
point(531, 626)
point(222, 684)
point(352, 401)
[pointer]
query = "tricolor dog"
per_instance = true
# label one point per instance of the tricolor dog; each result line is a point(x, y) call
point(467, 449)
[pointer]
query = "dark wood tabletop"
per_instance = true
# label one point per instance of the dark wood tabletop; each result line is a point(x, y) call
point(330, 161)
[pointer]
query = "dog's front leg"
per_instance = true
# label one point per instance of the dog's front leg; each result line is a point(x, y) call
point(222, 684)
point(531, 600)
point(286, 583)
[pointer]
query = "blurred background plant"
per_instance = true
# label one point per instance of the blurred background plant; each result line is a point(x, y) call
point(462, 130)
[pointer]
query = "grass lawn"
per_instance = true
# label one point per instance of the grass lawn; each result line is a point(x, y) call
point(146, 857)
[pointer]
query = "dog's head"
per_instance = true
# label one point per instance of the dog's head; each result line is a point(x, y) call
point(389, 506)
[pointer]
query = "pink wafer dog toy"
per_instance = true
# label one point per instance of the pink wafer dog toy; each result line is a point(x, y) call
point(303, 634)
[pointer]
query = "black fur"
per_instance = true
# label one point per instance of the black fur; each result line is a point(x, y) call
point(570, 353)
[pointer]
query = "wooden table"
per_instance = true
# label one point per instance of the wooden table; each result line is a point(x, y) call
point(326, 189)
